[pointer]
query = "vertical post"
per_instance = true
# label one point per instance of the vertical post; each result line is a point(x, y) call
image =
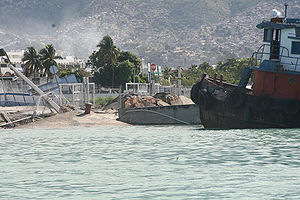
point(134, 74)
point(150, 88)
point(215, 77)
point(84, 89)
point(179, 81)
point(285, 10)
point(94, 100)
point(149, 73)
point(88, 89)
point(60, 95)
point(221, 79)
point(73, 94)
point(120, 98)
point(81, 94)
point(157, 69)
point(153, 82)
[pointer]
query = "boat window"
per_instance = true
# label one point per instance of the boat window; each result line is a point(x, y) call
point(277, 35)
point(3, 65)
point(295, 47)
point(297, 31)
point(268, 35)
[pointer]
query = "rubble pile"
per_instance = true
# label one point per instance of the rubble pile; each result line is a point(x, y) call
point(160, 99)
point(143, 101)
point(10, 119)
point(137, 101)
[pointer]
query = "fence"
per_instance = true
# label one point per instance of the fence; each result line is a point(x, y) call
point(144, 89)
point(77, 94)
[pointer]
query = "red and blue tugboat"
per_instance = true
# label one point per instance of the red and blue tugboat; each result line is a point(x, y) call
point(274, 100)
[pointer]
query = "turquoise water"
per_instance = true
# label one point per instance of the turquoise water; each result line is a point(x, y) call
point(149, 162)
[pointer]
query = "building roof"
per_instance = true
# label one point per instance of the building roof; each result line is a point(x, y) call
point(280, 23)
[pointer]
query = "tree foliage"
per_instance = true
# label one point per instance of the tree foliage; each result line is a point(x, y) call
point(232, 71)
point(124, 71)
point(167, 74)
point(79, 73)
point(126, 55)
point(40, 62)
point(48, 58)
point(33, 64)
point(111, 66)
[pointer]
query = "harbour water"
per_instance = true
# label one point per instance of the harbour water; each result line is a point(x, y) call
point(149, 162)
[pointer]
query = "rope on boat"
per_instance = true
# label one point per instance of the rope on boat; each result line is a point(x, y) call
point(151, 111)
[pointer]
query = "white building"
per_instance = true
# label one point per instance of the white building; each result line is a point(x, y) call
point(16, 58)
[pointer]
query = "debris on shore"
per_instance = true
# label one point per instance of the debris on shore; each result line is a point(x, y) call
point(11, 117)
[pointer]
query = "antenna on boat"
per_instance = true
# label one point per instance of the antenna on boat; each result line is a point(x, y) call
point(285, 10)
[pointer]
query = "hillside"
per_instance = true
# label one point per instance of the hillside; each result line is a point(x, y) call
point(167, 32)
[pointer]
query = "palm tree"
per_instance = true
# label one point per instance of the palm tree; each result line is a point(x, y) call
point(167, 73)
point(32, 61)
point(48, 56)
point(109, 53)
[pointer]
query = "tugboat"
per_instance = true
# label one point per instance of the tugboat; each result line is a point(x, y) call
point(274, 99)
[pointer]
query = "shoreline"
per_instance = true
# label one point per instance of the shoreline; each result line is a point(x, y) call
point(75, 118)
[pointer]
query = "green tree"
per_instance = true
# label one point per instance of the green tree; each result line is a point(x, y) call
point(124, 72)
point(79, 73)
point(137, 63)
point(48, 57)
point(186, 82)
point(204, 66)
point(231, 70)
point(103, 76)
point(167, 74)
point(110, 66)
point(33, 64)
point(107, 55)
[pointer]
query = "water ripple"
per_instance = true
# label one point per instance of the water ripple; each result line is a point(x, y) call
point(149, 162)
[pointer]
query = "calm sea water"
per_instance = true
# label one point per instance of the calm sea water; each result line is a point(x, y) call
point(149, 162)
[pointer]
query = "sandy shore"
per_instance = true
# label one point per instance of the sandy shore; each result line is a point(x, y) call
point(76, 118)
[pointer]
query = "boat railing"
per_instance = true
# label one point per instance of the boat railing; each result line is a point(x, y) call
point(287, 62)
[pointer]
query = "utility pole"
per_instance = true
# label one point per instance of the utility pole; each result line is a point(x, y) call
point(179, 80)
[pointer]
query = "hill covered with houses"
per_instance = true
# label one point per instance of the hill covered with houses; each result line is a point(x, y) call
point(169, 33)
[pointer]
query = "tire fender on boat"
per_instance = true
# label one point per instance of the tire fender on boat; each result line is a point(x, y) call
point(195, 93)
